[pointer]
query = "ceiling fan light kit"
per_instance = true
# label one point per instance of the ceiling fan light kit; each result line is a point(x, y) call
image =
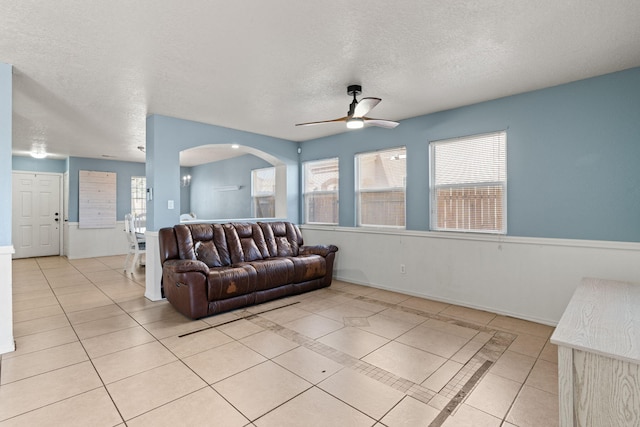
point(355, 123)
point(356, 116)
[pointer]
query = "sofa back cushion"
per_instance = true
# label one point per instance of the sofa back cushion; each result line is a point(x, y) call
point(220, 245)
point(283, 239)
point(246, 242)
point(204, 242)
point(168, 244)
point(207, 252)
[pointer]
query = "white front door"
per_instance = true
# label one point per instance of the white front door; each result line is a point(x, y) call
point(36, 214)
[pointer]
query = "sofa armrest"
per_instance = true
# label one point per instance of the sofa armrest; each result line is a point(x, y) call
point(322, 250)
point(185, 266)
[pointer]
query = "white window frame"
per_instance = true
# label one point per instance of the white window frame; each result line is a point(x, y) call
point(359, 191)
point(138, 186)
point(307, 194)
point(255, 196)
point(433, 187)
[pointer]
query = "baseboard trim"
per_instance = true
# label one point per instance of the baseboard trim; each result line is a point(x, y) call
point(449, 301)
point(7, 250)
point(8, 348)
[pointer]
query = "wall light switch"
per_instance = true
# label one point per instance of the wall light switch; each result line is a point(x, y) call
point(170, 204)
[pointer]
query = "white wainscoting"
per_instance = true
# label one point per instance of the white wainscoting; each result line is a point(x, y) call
point(7, 343)
point(94, 242)
point(528, 278)
point(153, 268)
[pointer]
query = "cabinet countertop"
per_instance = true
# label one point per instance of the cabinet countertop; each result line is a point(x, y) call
point(603, 317)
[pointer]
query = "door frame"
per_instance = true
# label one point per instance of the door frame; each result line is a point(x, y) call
point(60, 201)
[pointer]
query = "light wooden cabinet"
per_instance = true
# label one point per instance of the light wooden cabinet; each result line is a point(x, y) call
point(598, 340)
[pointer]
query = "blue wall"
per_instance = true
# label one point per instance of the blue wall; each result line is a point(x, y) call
point(124, 171)
point(167, 136)
point(208, 204)
point(573, 158)
point(22, 163)
point(6, 96)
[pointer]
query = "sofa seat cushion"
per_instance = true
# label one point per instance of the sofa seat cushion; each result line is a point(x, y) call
point(308, 267)
point(272, 272)
point(227, 282)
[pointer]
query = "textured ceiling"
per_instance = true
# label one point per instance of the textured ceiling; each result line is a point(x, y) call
point(87, 73)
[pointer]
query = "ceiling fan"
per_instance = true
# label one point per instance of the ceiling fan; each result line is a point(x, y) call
point(356, 116)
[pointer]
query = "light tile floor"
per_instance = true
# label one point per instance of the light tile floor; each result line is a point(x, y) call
point(92, 351)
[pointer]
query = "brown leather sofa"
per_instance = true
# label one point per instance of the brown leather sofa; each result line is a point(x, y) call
point(211, 268)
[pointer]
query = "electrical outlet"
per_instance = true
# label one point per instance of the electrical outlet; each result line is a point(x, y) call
point(170, 204)
point(403, 270)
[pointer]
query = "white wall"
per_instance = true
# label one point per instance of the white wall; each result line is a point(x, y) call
point(153, 268)
point(7, 343)
point(6, 247)
point(94, 242)
point(528, 278)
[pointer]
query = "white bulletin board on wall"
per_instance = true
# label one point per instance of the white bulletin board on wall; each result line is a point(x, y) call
point(97, 204)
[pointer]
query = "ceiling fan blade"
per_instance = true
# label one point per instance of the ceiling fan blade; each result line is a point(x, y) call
point(388, 124)
point(364, 106)
point(341, 119)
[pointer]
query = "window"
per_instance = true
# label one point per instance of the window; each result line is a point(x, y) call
point(138, 195)
point(321, 191)
point(380, 182)
point(263, 192)
point(469, 183)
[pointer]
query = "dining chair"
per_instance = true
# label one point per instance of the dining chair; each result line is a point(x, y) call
point(136, 242)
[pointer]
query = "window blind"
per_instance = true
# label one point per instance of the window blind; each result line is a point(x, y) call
point(468, 183)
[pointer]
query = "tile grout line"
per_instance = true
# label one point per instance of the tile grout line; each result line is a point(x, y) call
point(482, 360)
point(235, 320)
point(448, 410)
point(104, 385)
point(346, 360)
point(470, 374)
point(179, 359)
point(89, 359)
point(492, 349)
